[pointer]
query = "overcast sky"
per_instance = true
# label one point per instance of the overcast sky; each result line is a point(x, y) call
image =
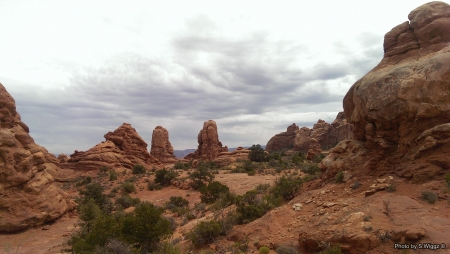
point(78, 69)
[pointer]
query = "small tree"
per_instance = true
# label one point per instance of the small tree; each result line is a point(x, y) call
point(287, 187)
point(201, 175)
point(258, 154)
point(212, 192)
point(138, 169)
point(164, 176)
point(204, 233)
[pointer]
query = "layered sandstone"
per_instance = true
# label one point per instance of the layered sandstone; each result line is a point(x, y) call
point(161, 147)
point(401, 109)
point(123, 148)
point(283, 140)
point(209, 146)
point(28, 196)
point(227, 158)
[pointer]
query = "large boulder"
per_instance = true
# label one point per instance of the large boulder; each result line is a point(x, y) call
point(123, 148)
point(28, 196)
point(283, 140)
point(401, 108)
point(161, 147)
point(209, 146)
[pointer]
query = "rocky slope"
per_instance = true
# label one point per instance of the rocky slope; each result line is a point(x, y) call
point(123, 148)
point(209, 146)
point(327, 135)
point(161, 148)
point(401, 109)
point(28, 196)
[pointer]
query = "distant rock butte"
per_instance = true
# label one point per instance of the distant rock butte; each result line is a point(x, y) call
point(401, 108)
point(28, 196)
point(209, 146)
point(226, 158)
point(326, 135)
point(123, 148)
point(161, 147)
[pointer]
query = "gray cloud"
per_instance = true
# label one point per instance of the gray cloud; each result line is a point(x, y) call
point(207, 77)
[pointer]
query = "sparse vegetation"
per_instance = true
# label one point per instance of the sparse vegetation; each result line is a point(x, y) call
point(201, 175)
point(367, 217)
point(391, 188)
point(264, 250)
point(283, 249)
point(257, 154)
point(204, 233)
point(336, 249)
point(287, 187)
point(355, 185)
point(128, 187)
point(339, 178)
point(447, 179)
point(165, 177)
point(429, 196)
point(138, 169)
point(126, 201)
point(151, 186)
point(112, 175)
point(212, 192)
point(103, 171)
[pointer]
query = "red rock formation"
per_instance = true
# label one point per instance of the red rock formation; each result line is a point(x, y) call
point(209, 146)
point(226, 158)
point(161, 147)
point(401, 109)
point(28, 196)
point(122, 148)
point(283, 140)
point(314, 149)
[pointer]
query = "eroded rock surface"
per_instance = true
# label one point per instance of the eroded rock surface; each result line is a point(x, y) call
point(161, 147)
point(209, 146)
point(401, 109)
point(123, 148)
point(28, 196)
point(283, 140)
point(226, 158)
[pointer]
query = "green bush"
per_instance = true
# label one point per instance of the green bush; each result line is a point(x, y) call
point(212, 192)
point(447, 179)
point(429, 196)
point(339, 178)
point(103, 170)
point(128, 187)
point(138, 169)
point(311, 169)
point(204, 233)
point(95, 191)
point(336, 249)
point(257, 154)
point(165, 177)
point(126, 201)
point(264, 250)
point(181, 165)
point(287, 187)
point(252, 206)
point(84, 181)
point(151, 186)
point(201, 175)
point(178, 201)
point(112, 175)
point(286, 250)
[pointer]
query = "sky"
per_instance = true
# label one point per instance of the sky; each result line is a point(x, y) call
point(78, 69)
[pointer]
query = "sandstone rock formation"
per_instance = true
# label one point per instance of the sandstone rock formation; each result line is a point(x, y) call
point(327, 135)
point(283, 140)
point(314, 149)
point(226, 158)
point(209, 146)
point(123, 148)
point(28, 196)
point(161, 147)
point(401, 109)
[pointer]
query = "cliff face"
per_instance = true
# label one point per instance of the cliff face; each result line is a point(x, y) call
point(209, 146)
point(401, 109)
point(28, 196)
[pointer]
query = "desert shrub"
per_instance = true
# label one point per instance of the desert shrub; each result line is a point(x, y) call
point(241, 246)
point(181, 165)
point(112, 175)
point(178, 201)
point(429, 196)
point(385, 237)
point(311, 169)
point(204, 233)
point(167, 247)
point(128, 187)
point(367, 217)
point(138, 169)
point(164, 177)
point(131, 179)
point(257, 154)
point(355, 185)
point(336, 249)
point(287, 187)
point(114, 246)
point(84, 181)
point(264, 250)
point(103, 170)
point(339, 178)
point(126, 201)
point(151, 186)
point(95, 191)
point(447, 179)
point(201, 175)
point(262, 188)
point(318, 158)
point(283, 249)
point(252, 206)
point(211, 192)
